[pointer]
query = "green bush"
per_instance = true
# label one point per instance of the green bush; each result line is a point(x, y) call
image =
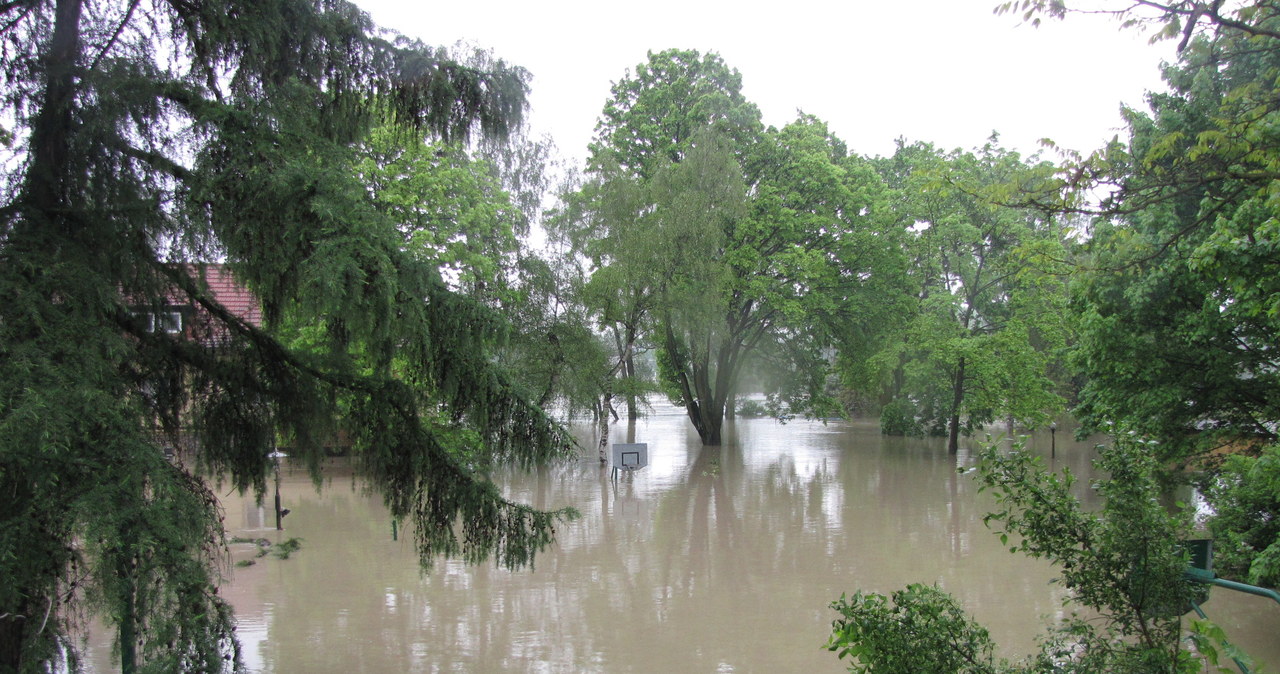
point(921, 629)
point(1245, 495)
point(899, 418)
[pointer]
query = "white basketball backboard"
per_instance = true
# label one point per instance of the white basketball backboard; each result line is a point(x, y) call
point(630, 456)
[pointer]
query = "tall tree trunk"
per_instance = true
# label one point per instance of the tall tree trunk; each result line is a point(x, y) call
point(713, 436)
point(14, 626)
point(128, 636)
point(557, 365)
point(629, 369)
point(606, 411)
point(957, 400)
point(46, 187)
point(704, 399)
point(710, 409)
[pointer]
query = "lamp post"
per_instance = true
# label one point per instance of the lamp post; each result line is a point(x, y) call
point(1053, 440)
point(277, 455)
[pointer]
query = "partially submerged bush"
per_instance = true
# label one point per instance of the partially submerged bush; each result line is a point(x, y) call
point(1125, 564)
point(899, 418)
point(921, 629)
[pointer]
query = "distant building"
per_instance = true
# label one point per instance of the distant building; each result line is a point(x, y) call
point(230, 294)
point(177, 315)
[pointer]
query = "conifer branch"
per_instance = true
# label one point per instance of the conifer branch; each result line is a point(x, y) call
point(124, 22)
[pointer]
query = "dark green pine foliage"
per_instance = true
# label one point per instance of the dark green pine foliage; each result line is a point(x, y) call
point(148, 133)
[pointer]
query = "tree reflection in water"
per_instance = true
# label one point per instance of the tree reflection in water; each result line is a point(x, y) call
point(709, 559)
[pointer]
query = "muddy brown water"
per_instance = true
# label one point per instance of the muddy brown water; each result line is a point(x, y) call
point(708, 560)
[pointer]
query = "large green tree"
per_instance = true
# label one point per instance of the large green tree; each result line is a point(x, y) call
point(749, 243)
point(988, 312)
point(1177, 308)
point(649, 124)
point(1179, 315)
point(155, 133)
point(653, 114)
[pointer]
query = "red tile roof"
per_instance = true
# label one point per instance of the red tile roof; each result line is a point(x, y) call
point(230, 294)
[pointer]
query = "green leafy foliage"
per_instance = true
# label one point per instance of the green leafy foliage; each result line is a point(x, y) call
point(287, 547)
point(450, 207)
point(624, 261)
point(751, 408)
point(1176, 302)
point(1177, 308)
point(918, 629)
point(653, 114)
point(899, 418)
point(1210, 641)
point(986, 310)
point(1124, 562)
point(1245, 522)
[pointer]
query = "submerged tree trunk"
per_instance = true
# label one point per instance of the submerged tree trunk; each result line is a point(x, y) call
point(629, 370)
point(557, 365)
point(128, 636)
point(957, 400)
point(713, 425)
point(606, 410)
point(606, 404)
point(705, 395)
point(705, 404)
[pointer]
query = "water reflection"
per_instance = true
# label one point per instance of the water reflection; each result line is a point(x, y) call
point(709, 559)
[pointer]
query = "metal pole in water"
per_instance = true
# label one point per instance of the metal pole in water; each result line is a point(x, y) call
point(276, 456)
point(1053, 440)
point(279, 527)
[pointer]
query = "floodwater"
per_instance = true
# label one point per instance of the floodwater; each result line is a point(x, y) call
point(708, 560)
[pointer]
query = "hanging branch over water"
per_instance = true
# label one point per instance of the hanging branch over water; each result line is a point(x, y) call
point(153, 133)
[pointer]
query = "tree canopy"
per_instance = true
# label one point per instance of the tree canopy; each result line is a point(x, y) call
point(653, 114)
point(1178, 302)
point(987, 313)
point(1179, 313)
point(741, 244)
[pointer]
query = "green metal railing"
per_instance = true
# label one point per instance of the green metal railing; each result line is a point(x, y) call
point(1201, 571)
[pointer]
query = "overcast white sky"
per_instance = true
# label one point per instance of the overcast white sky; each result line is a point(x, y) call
point(945, 71)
